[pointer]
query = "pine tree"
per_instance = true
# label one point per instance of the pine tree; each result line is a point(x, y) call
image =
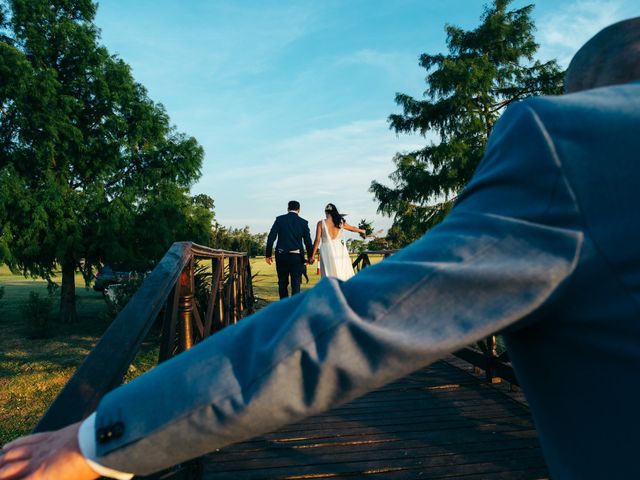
point(485, 70)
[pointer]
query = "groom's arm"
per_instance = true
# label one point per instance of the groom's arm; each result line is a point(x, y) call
point(495, 260)
point(303, 355)
point(308, 245)
point(273, 233)
point(321, 348)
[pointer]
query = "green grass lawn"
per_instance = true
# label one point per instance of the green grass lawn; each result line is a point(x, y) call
point(32, 371)
point(265, 281)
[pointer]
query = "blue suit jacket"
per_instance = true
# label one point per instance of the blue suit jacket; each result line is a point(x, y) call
point(544, 242)
point(291, 230)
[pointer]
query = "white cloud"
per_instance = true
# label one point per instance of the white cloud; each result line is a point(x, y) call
point(564, 31)
point(327, 165)
point(389, 62)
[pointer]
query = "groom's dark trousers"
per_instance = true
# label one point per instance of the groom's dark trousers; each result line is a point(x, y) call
point(289, 265)
point(291, 232)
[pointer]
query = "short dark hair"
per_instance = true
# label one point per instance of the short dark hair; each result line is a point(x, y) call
point(610, 57)
point(293, 205)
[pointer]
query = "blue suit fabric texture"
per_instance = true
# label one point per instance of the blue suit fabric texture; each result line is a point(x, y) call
point(543, 245)
point(291, 231)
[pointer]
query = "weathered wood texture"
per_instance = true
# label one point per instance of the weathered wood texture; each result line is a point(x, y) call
point(167, 295)
point(440, 422)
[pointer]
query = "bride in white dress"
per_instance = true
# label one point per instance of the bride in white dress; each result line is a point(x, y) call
point(334, 256)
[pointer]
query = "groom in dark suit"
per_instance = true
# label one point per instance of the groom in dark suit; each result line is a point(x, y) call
point(291, 231)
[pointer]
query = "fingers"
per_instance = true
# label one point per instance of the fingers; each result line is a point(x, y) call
point(26, 440)
point(14, 470)
point(15, 454)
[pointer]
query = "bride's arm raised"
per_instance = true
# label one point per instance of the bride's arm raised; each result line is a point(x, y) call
point(351, 228)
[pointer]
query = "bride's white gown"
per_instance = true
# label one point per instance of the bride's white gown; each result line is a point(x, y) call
point(334, 256)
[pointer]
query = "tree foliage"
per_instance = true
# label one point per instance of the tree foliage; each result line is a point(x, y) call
point(485, 70)
point(89, 164)
point(238, 240)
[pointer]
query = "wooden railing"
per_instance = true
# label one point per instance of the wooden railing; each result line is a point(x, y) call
point(484, 355)
point(192, 302)
point(189, 297)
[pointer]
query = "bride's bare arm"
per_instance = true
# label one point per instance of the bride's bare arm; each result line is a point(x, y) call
point(316, 244)
point(351, 228)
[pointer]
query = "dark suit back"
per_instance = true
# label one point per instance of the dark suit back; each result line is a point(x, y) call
point(292, 232)
point(576, 167)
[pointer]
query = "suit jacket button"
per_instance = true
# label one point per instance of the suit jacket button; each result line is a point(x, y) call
point(110, 433)
point(102, 435)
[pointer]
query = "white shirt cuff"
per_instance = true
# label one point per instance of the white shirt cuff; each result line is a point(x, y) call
point(87, 442)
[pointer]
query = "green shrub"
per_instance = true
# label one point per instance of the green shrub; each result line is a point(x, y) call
point(119, 294)
point(36, 312)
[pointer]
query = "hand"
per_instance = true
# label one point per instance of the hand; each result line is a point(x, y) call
point(46, 456)
point(268, 260)
point(310, 261)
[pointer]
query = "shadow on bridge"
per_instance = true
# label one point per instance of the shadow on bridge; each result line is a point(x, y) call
point(440, 422)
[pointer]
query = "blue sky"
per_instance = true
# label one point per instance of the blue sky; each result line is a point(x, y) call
point(290, 99)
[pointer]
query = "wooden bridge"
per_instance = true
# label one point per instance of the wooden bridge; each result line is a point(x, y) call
point(441, 422)
point(444, 421)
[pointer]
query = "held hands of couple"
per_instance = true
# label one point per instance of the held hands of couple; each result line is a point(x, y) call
point(46, 456)
point(269, 261)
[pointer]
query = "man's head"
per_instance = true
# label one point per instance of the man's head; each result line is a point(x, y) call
point(611, 57)
point(293, 206)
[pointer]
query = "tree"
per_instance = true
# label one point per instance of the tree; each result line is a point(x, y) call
point(486, 70)
point(83, 150)
point(169, 216)
point(355, 245)
point(238, 240)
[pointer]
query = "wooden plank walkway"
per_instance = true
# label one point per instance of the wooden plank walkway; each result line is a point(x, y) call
point(440, 422)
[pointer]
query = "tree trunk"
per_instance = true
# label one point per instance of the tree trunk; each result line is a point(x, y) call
point(68, 293)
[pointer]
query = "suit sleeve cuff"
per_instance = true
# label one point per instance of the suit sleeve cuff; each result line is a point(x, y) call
point(87, 443)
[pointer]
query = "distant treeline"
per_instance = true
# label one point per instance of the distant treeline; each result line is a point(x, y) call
point(238, 240)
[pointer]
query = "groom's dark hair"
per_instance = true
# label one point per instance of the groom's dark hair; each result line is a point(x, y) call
point(293, 205)
point(610, 57)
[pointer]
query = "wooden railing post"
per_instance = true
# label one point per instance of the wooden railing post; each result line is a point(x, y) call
point(169, 321)
point(241, 286)
point(492, 360)
point(215, 278)
point(230, 303)
point(218, 313)
point(185, 307)
point(236, 290)
point(249, 290)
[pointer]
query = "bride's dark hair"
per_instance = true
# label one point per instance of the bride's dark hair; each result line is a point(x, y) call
point(337, 218)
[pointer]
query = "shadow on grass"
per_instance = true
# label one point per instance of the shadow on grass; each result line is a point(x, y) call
point(33, 371)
